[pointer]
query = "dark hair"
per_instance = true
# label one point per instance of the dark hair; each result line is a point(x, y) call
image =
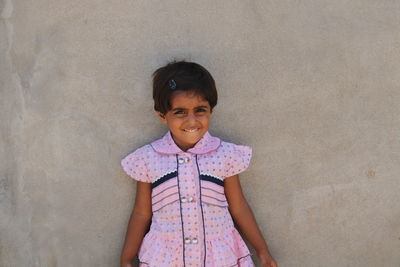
point(182, 76)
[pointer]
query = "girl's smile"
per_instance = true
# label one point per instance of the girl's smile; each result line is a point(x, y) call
point(188, 119)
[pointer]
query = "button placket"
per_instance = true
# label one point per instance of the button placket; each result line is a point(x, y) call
point(190, 216)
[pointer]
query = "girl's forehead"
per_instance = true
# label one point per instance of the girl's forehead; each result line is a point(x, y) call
point(187, 99)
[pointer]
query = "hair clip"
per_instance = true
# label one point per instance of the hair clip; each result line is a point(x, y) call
point(172, 84)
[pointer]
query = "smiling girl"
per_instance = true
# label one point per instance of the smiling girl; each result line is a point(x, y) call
point(188, 196)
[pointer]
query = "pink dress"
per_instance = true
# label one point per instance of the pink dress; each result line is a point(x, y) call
point(191, 223)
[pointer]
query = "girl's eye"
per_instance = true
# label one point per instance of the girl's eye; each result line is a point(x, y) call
point(179, 112)
point(201, 110)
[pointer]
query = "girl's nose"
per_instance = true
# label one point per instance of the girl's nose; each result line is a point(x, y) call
point(191, 117)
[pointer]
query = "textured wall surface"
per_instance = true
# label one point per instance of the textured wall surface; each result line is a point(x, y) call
point(312, 86)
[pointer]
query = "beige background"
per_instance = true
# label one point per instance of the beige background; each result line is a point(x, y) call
point(312, 86)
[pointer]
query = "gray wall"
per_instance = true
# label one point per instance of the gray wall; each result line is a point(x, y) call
point(312, 86)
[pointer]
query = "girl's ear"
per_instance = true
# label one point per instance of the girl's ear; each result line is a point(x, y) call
point(161, 117)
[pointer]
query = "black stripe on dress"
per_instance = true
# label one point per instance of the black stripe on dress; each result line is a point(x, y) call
point(212, 179)
point(164, 179)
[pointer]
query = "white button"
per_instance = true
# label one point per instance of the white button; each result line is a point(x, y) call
point(183, 160)
point(187, 240)
point(194, 240)
point(183, 199)
point(191, 199)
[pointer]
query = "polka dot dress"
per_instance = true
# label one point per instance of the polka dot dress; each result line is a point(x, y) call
point(191, 223)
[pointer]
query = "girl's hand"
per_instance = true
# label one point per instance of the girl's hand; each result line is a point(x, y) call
point(266, 259)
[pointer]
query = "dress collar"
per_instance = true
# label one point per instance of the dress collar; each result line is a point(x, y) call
point(166, 144)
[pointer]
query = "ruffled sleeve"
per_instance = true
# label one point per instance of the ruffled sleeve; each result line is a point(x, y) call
point(134, 165)
point(238, 160)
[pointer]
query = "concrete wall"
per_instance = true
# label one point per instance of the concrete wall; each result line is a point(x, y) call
point(312, 85)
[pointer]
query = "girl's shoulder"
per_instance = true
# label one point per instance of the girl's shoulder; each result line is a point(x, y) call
point(229, 159)
point(232, 148)
point(135, 163)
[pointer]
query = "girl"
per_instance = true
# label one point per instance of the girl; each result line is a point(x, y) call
point(188, 188)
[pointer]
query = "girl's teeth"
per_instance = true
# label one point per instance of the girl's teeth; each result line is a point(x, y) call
point(190, 130)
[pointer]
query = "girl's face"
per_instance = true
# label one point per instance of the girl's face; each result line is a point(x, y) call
point(188, 118)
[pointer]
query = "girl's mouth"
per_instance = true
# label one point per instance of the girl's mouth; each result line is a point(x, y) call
point(191, 130)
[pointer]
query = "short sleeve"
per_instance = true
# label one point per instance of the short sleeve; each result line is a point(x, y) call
point(134, 165)
point(238, 160)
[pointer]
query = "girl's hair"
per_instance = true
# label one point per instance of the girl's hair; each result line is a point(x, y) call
point(182, 76)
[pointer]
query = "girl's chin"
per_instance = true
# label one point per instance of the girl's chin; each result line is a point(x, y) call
point(192, 136)
point(191, 142)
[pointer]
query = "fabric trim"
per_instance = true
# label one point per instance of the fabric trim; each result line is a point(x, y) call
point(164, 179)
point(203, 187)
point(212, 179)
point(165, 189)
point(220, 200)
point(165, 205)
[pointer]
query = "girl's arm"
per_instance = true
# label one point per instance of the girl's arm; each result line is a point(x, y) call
point(138, 223)
point(244, 218)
